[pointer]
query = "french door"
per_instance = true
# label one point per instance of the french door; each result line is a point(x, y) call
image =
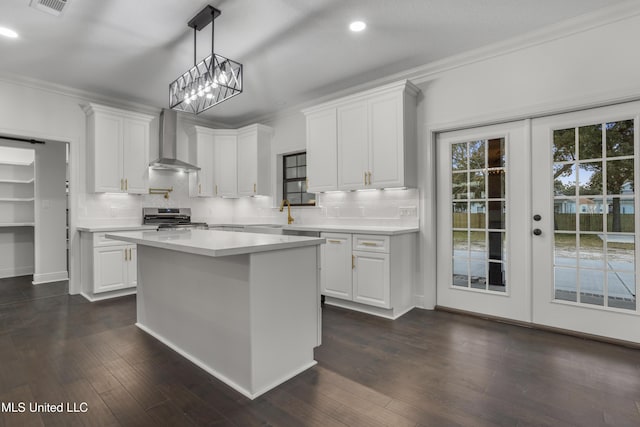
point(584, 216)
point(537, 221)
point(483, 221)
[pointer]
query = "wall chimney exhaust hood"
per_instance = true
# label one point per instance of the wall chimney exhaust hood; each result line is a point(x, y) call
point(168, 144)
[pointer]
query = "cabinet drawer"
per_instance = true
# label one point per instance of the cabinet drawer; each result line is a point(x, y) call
point(99, 240)
point(370, 243)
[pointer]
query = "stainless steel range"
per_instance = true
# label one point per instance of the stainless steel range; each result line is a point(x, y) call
point(171, 218)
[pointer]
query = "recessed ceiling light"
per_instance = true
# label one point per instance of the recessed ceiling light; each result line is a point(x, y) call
point(8, 33)
point(357, 26)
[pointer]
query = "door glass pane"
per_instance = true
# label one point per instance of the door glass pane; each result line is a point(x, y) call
point(590, 142)
point(496, 184)
point(476, 185)
point(594, 257)
point(620, 177)
point(478, 279)
point(591, 286)
point(497, 215)
point(621, 249)
point(477, 214)
point(459, 185)
point(590, 178)
point(620, 215)
point(591, 213)
point(566, 284)
point(564, 145)
point(479, 174)
point(459, 157)
point(496, 153)
point(460, 243)
point(478, 244)
point(619, 138)
point(620, 290)
point(591, 251)
point(564, 179)
point(477, 155)
point(460, 215)
point(565, 214)
point(565, 250)
point(497, 276)
point(460, 272)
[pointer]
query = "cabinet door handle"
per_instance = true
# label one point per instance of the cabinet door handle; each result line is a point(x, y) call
point(365, 177)
point(121, 184)
point(199, 188)
point(126, 184)
point(353, 262)
point(368, 244)
point(125, 255)
point(254, 187)
point(216, 189)
point(130, 258)
point(333, 241)
point(369, 173)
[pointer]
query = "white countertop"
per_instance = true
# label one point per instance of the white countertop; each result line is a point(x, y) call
point(213, 242)
point(364, 229)
point(103, 228)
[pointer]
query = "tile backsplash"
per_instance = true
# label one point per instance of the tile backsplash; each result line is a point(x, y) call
point(370, 207)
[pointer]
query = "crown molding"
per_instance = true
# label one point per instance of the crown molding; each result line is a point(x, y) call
point(84, 97)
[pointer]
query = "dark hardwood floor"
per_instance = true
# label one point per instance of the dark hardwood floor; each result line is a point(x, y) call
point(426, 368)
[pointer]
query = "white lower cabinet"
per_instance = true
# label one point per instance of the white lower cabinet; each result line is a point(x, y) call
point(369, 273)
point(336, 266)
point(112, 268)
point(371, 282)
point(109, 268)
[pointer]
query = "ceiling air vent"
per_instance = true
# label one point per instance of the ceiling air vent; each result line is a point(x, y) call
point(54, 7)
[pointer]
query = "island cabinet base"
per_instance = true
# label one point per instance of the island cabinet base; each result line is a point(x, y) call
point(249, 320)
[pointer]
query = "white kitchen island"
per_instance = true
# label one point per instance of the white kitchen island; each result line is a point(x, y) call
point(244, 307)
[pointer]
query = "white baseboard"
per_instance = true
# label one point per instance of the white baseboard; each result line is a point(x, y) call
point(108, 295)
point(16, 271)
point(58, 276)
point(363, 308)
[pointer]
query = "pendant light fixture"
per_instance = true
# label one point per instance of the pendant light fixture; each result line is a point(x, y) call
point(210, 81)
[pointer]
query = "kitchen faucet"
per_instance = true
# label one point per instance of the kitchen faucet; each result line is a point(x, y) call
point(290, 219)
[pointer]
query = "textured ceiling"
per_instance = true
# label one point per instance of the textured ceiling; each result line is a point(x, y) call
point(292, 50)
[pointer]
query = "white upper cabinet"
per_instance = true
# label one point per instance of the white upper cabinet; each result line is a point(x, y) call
point(375, 137)
point(254, 160)
point(353, 146)
point(117, 150)
point(322, 151)
point(225, 164)
point(201, 153)
point(233, 162)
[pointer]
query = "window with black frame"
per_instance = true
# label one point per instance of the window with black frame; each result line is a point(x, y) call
point(294, 180)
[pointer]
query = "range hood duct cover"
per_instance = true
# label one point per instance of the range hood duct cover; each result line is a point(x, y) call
point(168, 145)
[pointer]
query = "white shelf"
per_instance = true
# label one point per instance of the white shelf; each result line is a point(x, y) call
point(17, 224)
point(16, 163)
point(17, 181)
point(16, 200)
